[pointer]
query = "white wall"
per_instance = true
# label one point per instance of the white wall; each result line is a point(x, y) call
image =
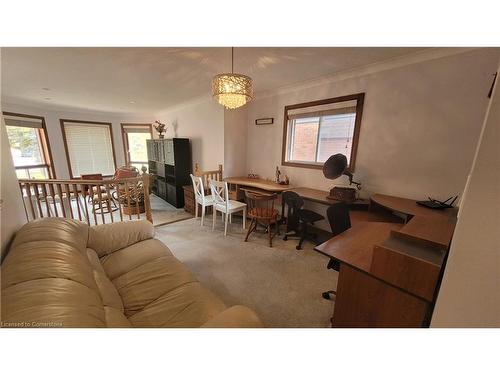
point(11, 205)
point(235, 141)
point(202, 121)
point(469, 295)
point(420, 125)
point(52, 117)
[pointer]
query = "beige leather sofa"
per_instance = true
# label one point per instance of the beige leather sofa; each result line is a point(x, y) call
point(62, 273)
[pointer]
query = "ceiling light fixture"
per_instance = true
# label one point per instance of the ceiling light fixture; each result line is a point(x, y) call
point(232, 90)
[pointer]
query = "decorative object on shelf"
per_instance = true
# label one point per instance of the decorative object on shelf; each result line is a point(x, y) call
point(264, 121)
point(287, 180)
point(144, 169)
point(253, 176)
point(334, 167)
point(232, 90)
point(278, 173)
point(160, 128)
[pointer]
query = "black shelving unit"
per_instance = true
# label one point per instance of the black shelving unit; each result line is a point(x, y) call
point(170, 164)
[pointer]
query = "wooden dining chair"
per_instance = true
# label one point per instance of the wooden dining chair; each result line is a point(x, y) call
point(261, 211)
point(96, 199)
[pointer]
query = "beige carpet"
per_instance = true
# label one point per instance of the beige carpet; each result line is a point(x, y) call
point(281, 284)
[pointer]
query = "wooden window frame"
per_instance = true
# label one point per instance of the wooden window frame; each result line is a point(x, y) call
point(357, 125)
point(44, 138)
point(123, 125)
point(66, 149)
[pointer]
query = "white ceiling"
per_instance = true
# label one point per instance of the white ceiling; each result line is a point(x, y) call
point(148, 80)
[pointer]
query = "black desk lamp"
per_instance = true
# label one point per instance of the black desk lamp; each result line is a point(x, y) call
point(334, 167)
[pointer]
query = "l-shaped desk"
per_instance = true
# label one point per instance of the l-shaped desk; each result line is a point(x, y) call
point(390, 261)
point(390, 273)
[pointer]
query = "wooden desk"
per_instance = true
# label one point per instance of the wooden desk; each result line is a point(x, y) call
point(257, 183)
point(355, 245)
point(320, 196)
point(358, 209)
point(389, 274)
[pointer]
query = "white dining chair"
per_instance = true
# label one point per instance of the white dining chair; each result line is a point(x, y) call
point(201, 198)
point(223, 204)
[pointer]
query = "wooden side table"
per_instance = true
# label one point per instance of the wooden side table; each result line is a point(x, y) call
point(189, 199)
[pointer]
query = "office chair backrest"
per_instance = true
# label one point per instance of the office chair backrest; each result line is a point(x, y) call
point(338, 217)
point(294, 203)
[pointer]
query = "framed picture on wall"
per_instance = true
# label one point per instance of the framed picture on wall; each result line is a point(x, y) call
point(264, 121)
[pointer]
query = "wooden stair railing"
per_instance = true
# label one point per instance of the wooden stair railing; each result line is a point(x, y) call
point(206, 176)
point(91, 201)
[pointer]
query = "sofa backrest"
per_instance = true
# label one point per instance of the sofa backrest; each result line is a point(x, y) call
point(47, 279)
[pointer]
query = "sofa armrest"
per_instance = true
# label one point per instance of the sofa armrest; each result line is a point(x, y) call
point(107, 238)
point(235, 317)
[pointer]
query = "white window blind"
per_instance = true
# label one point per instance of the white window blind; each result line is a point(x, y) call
point(89, 147)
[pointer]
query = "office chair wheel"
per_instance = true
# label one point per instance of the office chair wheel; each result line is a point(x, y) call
point(298, 247)
point(328, 295)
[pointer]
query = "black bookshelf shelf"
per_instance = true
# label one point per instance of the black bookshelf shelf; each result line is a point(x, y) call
point(170, 163)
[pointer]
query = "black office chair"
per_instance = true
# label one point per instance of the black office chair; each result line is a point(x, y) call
point(340, 221)
point(298, 218)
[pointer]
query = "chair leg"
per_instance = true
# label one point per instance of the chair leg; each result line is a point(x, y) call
point(214, 216)
point(231, 218)
point(202, 214)
point(270, 234)
point(195, 210)
point(225, 225)
point(302, 237)
point(244, 217)
point(250, 229)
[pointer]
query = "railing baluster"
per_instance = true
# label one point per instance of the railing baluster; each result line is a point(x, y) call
point(30, 199)
point(53, 194)
point(108, 200)
point(60, 191)
point(84, 200)
point(75, 191)
point(44, 194)
point(21, 187)
point(137, 207)
point(147, 204)
point(117, 187)
point(37, 195)
point(68, 196)
point(99, 194)
point(127, 192)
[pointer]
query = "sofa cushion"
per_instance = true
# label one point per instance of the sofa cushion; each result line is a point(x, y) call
point(125, 260)
point(109, 294)
point(71, 232)
point(47, 278)
point(46, 259)
point(189, 305)
point(157, 290)
point(56, 302)
point(107, 238)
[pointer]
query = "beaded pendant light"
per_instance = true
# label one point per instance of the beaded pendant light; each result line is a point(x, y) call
point(232, 90)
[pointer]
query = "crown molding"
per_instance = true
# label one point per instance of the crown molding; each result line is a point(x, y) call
point(413, 58)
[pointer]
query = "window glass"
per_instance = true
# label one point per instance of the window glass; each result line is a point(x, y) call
point(335, 136)
point(90, 148)
point(137, 146)
point(25, 145)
